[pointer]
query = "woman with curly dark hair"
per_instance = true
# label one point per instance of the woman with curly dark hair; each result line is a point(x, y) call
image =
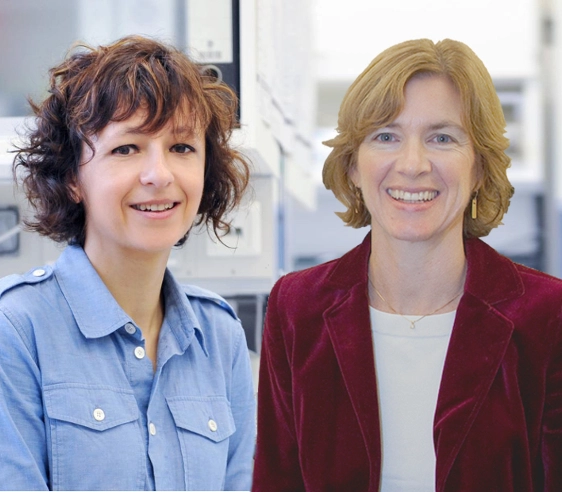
point(112, 375)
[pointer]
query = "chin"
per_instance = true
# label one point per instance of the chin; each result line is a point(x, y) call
point(157, 247)
point(414, 235)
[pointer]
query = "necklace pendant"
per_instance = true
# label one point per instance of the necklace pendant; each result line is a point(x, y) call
point(412, 322)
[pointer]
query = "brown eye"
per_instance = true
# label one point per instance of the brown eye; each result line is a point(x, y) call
point(182, 149)
point(123, 150)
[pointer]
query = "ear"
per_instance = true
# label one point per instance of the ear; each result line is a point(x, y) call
point(353, 175)
point(75, 193)
point(478, 173)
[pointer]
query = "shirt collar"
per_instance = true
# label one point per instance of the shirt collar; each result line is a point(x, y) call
point(98, 314)
point(180, 316)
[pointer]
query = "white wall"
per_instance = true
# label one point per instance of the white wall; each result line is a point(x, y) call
point(502, 32)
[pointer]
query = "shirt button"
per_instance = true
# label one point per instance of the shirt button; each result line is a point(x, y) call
point(139, 353)
point(99, 414)
point(130, 328)
point(212, 425)
point(39, 272)
point(152, 429)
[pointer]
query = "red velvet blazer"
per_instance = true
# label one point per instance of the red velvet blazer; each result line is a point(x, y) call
point(498, 422)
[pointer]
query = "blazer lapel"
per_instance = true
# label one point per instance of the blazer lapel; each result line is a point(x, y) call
point(349, 327)
point(476, 350)
point(480, 337)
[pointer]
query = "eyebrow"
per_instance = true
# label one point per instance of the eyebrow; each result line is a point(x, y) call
point(130, 130)
point(447, 124)
point(183, 131)
point(435, 126)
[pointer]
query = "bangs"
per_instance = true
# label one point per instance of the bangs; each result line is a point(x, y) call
point(185, 120)
point(161, 98)
point(163, 85)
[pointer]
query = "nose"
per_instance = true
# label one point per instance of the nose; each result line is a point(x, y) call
point(156, 170)
point(413, 159)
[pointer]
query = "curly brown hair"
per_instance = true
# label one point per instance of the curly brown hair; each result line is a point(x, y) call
point(376, 98)
point(95, 86)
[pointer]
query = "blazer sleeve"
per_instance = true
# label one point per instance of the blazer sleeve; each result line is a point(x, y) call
point(276, 466)
point(552, 418)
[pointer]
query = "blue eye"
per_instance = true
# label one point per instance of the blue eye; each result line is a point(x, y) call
point(442, 138)
point(384, 137)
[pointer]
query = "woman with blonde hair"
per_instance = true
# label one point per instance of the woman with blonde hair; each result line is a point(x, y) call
point(422, 359)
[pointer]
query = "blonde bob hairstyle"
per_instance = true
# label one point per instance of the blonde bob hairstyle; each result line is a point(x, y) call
point(376, 98)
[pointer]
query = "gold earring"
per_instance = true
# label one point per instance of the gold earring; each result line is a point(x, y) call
point(474, 211)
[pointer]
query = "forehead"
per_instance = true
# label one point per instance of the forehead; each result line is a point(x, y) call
point(430, 97)
point(143, 123)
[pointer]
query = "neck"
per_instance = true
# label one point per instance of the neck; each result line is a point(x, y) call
point(416, 278)
point(135, 281)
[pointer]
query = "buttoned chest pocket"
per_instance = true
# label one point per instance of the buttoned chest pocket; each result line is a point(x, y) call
point(204, 426)
point(95, 438)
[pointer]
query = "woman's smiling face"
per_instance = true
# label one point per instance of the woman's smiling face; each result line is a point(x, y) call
point(141, 191)
point(417, 174)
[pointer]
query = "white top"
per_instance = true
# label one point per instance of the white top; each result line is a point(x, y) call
point(409, 364)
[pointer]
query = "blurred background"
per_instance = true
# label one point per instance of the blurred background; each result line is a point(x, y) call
point(291, 62)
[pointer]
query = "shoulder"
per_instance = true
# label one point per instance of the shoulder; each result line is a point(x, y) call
point(530, 299)
point(540, 285)
point(302, 291)
point(529, 276)
point(532, 275)
point(22, 303)
point(217, 321)
point(16, 286)
point(538, 313)
point(495, 278)
point(305, 295)
point(331, 279)
point(307, 279)
point(341, 273)
point(207, 300)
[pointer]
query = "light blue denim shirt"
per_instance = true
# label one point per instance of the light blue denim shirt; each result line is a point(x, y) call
point(82, 408)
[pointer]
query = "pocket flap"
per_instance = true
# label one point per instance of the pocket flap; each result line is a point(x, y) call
point(95, 407)
point(210, 417)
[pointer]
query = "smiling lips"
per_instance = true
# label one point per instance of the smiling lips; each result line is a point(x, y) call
point(412, 197)
point(160, 207)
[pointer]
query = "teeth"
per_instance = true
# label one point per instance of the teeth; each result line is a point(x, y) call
point(422, 196)
point(154, 207)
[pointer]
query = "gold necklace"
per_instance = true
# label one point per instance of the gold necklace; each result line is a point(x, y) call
point(412, 322)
